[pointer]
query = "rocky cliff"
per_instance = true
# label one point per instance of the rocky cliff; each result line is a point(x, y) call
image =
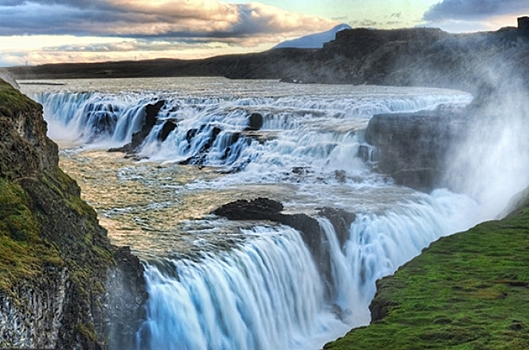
point(62, 284)
point(418, 56)
point(413, 148)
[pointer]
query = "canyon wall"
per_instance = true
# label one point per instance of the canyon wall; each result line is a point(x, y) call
point(62, 284)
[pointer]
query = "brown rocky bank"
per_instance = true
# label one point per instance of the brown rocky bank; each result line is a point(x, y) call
point(62, 284)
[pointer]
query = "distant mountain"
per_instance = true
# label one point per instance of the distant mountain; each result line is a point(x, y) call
point(313, 41)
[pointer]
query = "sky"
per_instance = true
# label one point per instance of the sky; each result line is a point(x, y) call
point(53, 31)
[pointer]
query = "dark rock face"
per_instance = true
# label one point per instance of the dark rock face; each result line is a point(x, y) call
point(58, 291)
point(255, 122)
point(310, 229)
point(413, 147)
point(26, 136)
point(126, 295)
point(523, 24)
point(257, 209)
point(151, 117)
point(167, 128)
point(341, 220)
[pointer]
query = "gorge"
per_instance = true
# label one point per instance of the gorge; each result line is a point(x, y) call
point(346, 217)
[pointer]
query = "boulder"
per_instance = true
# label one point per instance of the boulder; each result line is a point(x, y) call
point(167, 128)
point(255, 122)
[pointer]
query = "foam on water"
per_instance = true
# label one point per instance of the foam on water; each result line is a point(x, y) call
point(269, 294)
point(317, 132)
point(263, 290)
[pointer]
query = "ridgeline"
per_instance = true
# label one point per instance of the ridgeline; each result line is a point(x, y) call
point(476, 62)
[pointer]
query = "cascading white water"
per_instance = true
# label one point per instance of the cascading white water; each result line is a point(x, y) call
point(268, 293)
point(263, 291)
point(247, 299)
point(111, 119)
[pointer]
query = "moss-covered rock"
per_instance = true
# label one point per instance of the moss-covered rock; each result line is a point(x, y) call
point(55, 258)
point(466, 291)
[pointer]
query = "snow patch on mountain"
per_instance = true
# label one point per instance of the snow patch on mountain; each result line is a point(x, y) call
point(313, 41)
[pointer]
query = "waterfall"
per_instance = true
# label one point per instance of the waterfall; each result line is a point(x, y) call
point(212, 127)
point(268, 293)
point(262, 296)
point(269, 290)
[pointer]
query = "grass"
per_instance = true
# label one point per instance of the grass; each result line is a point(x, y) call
point(12, 100)
point(23, 253)
point(466, 291)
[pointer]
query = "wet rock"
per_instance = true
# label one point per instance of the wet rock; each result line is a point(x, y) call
point(230, 140)
point(255, 122)
point(167, 128)
point(413, 147)
point(299, 170)
point(256, 209)
point(310, 229)
point(151, 117)
point(126, 295)
point(341, 220)
point(200, 156)
point(191, 133)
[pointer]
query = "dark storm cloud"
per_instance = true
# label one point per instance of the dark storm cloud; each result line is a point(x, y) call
point(474, 9)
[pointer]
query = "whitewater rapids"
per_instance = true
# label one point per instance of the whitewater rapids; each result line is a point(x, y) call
point(216, 284)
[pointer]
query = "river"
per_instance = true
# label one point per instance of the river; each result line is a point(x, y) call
point(220, 284)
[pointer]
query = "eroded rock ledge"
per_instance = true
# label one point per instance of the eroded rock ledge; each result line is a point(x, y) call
point(310, 229)
point(62, 284)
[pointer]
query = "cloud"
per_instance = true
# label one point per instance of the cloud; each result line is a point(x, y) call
point(93, 30)
point(155, 18)
point(474, 9)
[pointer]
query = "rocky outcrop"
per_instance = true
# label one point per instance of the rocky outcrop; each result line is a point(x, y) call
point(413, 147)
point(523, 24)
point(309, 227)
point(168, 127)
point(255, 122)
point(32, 315)
point(57, 267)
point(151, 118)
point(125, 296)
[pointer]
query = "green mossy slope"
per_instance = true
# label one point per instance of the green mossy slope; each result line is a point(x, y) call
point(45, 227)
point(23, 253)
point(466, 291)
